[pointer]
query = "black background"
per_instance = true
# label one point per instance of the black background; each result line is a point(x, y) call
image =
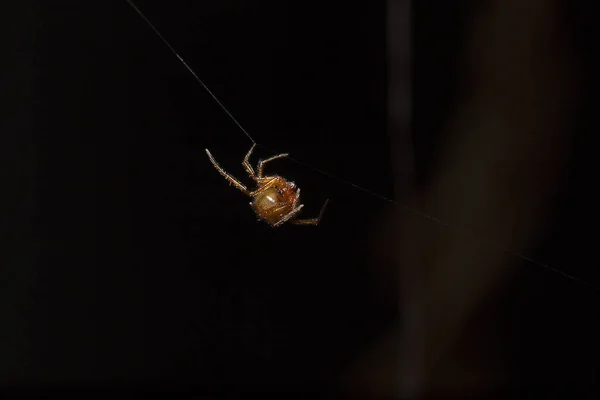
point(549, 321)
point(130, 259)
point(146, 263)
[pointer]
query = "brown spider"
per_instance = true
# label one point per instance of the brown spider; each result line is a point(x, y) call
point(275, 200)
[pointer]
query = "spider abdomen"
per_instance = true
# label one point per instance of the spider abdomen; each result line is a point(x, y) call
point(275, 202)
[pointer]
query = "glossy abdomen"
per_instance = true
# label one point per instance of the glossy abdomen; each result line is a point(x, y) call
point(271, 205)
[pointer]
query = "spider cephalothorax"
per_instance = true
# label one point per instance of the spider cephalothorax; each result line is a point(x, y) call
point(275, 200)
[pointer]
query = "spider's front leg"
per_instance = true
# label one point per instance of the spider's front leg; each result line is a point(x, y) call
point(261, 163)
point(246, 163)
point(230, 178)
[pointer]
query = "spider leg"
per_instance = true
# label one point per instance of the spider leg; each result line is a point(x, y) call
point(297, 199)
point(289, 216)
point(261, 163)
point(230, 178)
point(246, 163)
point(311, 221)
point(267, 184)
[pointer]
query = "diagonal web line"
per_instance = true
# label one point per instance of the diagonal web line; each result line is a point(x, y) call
point(360, 188)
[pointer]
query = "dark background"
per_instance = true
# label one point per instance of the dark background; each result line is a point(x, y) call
point(143, 263)
point(129, 258)
point(549, 321)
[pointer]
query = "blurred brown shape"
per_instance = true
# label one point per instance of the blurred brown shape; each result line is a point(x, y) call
point(493, 186)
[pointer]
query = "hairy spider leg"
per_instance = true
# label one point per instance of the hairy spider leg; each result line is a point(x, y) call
point(230, 178)
point(261, 163)
point(267, 183)
point(246, 164)
point(297, 198)
point(248, 167)
point(289, 216)
point(311, 221)
point(295, 210)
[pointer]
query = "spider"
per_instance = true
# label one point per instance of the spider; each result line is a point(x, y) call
point(275, 200)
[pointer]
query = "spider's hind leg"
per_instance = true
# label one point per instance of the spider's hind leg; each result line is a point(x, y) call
point(289, 216)
point(311, 221)
point(295, 210)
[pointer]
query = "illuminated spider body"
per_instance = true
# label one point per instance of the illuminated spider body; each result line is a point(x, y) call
point(275, 200)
